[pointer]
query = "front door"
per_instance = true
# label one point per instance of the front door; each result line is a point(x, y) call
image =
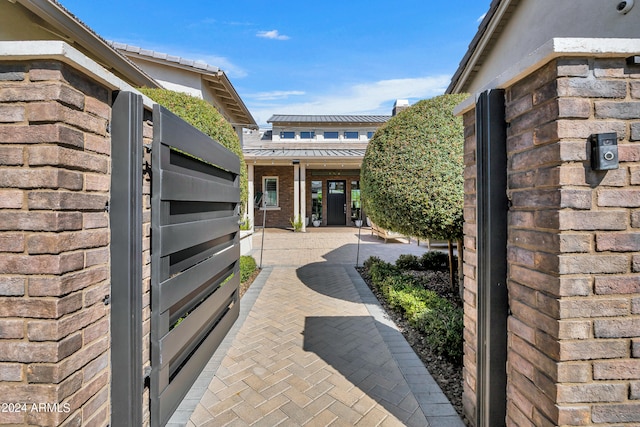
point(336, 203)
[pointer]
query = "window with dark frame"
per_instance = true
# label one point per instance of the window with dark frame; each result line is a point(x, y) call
point(287, 135)
point(331, 135)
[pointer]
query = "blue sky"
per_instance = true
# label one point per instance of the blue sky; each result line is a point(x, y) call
point(292, 57)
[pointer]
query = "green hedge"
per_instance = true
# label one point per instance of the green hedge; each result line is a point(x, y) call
point(440, 320)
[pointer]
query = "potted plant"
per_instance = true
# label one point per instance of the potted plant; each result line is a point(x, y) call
point(315, 220)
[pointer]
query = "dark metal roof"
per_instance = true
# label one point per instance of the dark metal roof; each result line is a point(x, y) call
point(304, 153)
point(328, 119)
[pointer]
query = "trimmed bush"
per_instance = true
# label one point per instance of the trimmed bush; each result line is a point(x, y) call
point(412, 171)
point(434, 260)
point(204, 117)
point(247, 267)
point(408, 262)
point(443, 325)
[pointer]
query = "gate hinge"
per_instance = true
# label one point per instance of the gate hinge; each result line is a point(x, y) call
point(107, 299)
point(147, 147)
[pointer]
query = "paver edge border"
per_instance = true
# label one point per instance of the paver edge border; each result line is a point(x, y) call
point(410, 365)
point(188, 405)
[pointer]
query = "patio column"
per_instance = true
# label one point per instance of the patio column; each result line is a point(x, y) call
point(296, 191)
point(251, 194)
point(303, 196)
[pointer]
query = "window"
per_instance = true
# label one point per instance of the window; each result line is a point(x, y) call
point(356, 202)
point(331, 135)
point(307, 135)
point(370, 135)
point(270, 190)
point(287, 135)
point(316, 200)
point(351, 135)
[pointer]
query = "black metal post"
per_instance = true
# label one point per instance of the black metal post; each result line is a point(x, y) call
point(126, 260)
point(493, 304)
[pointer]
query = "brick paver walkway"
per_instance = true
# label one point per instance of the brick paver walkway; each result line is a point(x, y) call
point(313, 347)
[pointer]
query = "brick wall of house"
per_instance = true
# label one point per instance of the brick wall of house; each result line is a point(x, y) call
point(54, 237)
point(276, 217)
point(573, 248)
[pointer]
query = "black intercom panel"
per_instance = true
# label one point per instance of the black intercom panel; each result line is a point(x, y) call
point(604, 151)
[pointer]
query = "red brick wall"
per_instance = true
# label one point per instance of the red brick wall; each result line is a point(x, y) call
point(54, 236)
point(276, 217)
point(574, 287)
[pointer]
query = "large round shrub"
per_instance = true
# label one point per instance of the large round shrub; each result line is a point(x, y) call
point(203, 116)
point(412, 172)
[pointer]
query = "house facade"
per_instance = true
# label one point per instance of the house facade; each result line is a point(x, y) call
point(307, 168)
point(552, 249)
point(196, 78)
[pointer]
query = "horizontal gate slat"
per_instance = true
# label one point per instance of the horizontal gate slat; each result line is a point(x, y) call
point(197, 143)
point(177, 287)
point(191, 327)
point(175, 341)
point(183, 380)
point(177, 186)
point(176, 237)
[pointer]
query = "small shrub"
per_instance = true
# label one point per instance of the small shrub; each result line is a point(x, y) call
point(443, 325)
point(247, 267)
point(380, 270)
point(371, 261)
point(435, 260)
point(296, 224)
point(408, 262)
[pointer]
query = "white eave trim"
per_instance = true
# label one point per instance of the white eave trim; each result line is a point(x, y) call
point(555, 48)
point(63, 52)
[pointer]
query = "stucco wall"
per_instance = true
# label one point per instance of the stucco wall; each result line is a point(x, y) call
point(535, 22)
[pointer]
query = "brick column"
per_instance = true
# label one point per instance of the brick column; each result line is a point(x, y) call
point(54, 236)
point(470, 264)
point(573, 245)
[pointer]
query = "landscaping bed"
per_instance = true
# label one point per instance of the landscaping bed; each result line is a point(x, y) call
point(445, 366)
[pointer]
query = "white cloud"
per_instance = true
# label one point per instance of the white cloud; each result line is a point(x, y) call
point(364, 98)
point(273, 34)
point(273, 95)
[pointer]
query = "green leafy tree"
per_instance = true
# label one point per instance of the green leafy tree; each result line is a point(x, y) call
point(204, 117)
point(412, 172)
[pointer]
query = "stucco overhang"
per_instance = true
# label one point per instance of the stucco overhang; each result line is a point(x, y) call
point(555, 48)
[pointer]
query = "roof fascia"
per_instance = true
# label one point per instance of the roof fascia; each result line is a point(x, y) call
point(62, 21)
point(222, 78)
point(479, 43)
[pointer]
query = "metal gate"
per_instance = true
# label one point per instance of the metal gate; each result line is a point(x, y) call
point(493, 304)
point(195, 255)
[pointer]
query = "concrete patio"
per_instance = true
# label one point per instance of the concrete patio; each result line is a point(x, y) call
point(313, 347)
